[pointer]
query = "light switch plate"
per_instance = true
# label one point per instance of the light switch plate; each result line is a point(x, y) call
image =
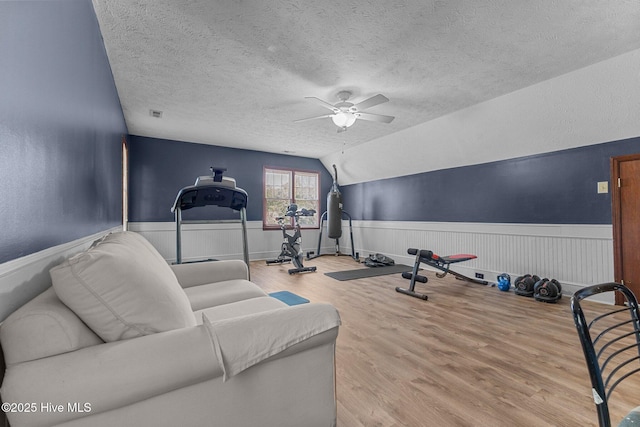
point(603, 187)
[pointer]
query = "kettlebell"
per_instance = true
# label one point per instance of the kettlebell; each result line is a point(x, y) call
point(504, 282)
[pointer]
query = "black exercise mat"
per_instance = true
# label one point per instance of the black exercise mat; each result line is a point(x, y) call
point(361, 273)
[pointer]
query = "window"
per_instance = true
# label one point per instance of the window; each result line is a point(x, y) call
point(283, 187)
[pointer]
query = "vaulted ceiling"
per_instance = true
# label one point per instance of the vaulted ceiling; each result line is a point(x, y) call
point(236, 73)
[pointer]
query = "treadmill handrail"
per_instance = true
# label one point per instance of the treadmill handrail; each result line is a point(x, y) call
point(211, 195)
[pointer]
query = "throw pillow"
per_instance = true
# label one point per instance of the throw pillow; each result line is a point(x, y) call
point(122, 288)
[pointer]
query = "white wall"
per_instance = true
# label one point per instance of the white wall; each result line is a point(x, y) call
point(595, 104)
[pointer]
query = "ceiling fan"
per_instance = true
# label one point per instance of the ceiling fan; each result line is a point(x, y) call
point(345, 113)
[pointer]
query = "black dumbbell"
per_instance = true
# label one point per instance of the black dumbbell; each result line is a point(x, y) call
point(548, 291)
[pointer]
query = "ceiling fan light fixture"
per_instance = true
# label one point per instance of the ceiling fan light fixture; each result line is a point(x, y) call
point(345, 113)
point(343, 119)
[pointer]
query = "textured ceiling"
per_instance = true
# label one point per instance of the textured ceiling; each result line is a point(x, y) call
point(236, 72)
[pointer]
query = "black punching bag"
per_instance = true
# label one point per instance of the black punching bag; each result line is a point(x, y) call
point(334, 209)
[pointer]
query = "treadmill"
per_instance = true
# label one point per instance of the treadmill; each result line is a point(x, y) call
point(213, 190)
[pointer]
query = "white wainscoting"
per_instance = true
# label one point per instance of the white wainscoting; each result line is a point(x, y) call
point(23, 278)
point(222, 240)
point(576, 255)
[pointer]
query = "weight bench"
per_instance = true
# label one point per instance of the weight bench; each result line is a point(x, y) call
point(441, 263)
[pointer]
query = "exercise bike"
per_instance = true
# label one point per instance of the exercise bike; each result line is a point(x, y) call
point(291, 250)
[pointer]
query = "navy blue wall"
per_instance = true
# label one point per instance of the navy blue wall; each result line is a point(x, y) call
point(60, 127)
point(159, 168)
point(552, 188)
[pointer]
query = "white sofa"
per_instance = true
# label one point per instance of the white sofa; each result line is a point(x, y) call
point(124, 339)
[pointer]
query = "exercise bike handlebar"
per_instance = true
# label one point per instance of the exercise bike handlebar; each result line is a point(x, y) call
point(296, 214)
point(301, 212)
point(307, 212)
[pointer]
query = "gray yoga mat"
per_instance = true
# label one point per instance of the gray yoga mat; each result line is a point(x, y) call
point(361, 273)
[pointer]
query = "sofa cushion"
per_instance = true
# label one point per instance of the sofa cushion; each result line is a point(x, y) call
point(122, 288)
point(41, 328)
point(225, 292)
point(202, 273)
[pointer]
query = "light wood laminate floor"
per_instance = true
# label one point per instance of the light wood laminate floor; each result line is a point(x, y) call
point(469, 356)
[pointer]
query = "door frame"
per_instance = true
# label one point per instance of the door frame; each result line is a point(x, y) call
point(125, 183)
point(616, 213)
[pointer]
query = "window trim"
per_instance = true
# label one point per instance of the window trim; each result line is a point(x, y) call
point(293, 172)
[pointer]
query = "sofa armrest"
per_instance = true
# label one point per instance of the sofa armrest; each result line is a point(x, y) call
point(202, 273)
point(109, 376)
point(267, 333)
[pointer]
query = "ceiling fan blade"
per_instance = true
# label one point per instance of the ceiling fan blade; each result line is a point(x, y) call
point(371, 102)
point(313, 118)
point(375, 117)
point(325, 104)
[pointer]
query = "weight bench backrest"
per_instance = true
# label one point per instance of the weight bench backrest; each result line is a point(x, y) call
point(428, 256)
